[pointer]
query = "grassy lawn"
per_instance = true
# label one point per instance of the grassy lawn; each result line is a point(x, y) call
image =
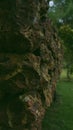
point(60, 115)
point(64, 75)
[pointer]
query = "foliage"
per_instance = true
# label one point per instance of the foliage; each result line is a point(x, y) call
point(62, 15)
point(66, 33)
point(62, 11)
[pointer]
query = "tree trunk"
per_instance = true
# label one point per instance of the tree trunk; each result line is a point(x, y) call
point(68, 73)
point(30, 62)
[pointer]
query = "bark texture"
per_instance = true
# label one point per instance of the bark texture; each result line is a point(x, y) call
point(30, 62)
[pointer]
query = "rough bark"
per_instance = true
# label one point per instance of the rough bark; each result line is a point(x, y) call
point(30, 62)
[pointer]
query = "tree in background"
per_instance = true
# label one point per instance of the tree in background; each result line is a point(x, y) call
point(61, 12)
point(66, 33)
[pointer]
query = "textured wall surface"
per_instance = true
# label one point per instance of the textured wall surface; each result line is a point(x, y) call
point(30, 62)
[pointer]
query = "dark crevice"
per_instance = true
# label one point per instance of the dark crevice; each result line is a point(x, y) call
point(37, 52)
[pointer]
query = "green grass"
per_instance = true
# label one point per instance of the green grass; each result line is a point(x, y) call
point(60, 115)
point(63, 75)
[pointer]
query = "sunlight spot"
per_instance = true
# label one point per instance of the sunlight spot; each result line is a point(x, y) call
point(51, 3)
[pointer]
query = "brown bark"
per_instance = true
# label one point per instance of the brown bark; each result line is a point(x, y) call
point(30, 62)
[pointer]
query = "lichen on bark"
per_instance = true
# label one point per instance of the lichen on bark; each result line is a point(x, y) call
point(30, 62)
